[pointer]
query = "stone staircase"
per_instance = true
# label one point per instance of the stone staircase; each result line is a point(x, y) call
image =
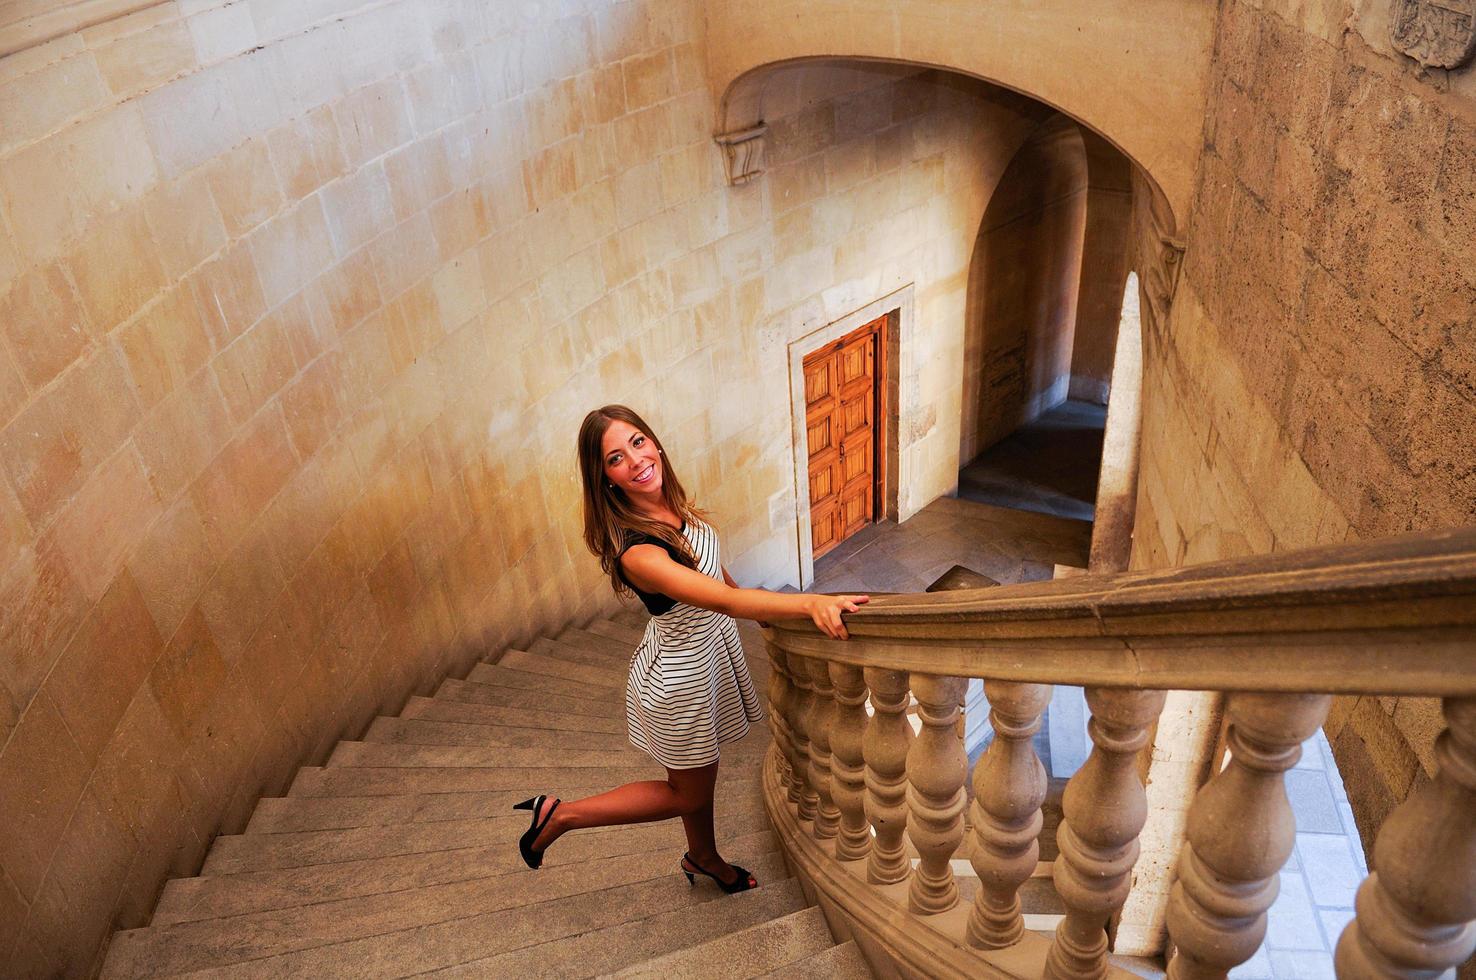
point(399, 856)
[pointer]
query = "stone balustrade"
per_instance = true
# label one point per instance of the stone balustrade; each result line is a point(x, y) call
point(871, 808)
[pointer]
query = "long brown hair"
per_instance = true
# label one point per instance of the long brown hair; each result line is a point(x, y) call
point(609, 518)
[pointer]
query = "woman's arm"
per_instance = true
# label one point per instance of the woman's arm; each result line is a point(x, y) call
point(653, 570)
point(733, 585)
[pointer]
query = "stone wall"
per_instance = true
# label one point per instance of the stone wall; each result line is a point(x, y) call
point(300, 307)
point(1317, 379)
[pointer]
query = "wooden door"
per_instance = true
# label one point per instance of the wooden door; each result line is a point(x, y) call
point(840, 419)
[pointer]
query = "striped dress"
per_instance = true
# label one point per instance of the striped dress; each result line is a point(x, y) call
point(689, 689)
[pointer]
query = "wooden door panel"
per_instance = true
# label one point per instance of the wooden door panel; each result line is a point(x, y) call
point(840, 407)
point(819, 382)
point(824, 482)
point(854, 362)
point(855, 510)
point(855, 462)
point(821, 435)
point(854, 365)
point(825, 528)
point(855, 415)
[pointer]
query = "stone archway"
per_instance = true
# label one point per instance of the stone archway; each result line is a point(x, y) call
point(1024, 281)
point(1134, 149)
point(1121, 92)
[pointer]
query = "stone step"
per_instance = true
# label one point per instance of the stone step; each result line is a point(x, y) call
point(290, 814)
point(234, 853)
point(260, 852)
point(560, 670)
point(631, 635)
point(1154, 967)
point(489, 688)
point(530, 672)
point(361, 781)
point(743, 953)
point(578, 651)
point(664, 909)
point(495, 716)
point(294, 814)
point(634, 616)
point(181, 946)
point(843, 962)
point(421, 731)
point(1037, 895)
point(400, 854)
point(597, 643)
point(605, 949)
point(190, 899)
point(383, 755)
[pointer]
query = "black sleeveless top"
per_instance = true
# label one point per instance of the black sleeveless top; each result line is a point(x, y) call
point(656, 603)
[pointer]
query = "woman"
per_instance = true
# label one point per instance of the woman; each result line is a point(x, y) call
point(689, 689)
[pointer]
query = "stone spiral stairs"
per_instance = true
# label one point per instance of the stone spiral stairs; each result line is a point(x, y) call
point(398, 857)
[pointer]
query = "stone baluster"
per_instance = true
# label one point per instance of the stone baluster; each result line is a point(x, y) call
point(936, 769)
point(847, 763)
point(822, 720)
point(1415, 911)
point(782, 676)
point(801, 707)
point(1105, 808)
point(885, 749)
point(780, 689)
point(1239, 834)
point(1009, 788)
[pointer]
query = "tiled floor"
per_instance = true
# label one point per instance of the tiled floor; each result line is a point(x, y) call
point(1317, 884)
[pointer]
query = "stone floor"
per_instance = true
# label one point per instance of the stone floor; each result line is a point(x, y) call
point(1049, 465)
point(1318, 882)
point(1007, 545)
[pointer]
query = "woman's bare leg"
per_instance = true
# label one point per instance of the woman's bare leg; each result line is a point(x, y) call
point(684, 791)
point(702, 839)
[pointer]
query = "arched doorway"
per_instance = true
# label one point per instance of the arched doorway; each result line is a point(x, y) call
point(1045, 296)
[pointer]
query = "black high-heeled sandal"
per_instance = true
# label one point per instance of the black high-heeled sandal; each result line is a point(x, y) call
point(742, 882)
point(534, 857)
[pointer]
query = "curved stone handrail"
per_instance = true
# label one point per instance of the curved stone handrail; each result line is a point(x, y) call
point(1407, 603)
point(1279, 634)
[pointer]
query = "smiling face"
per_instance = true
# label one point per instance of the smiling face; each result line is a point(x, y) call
point(632, 461)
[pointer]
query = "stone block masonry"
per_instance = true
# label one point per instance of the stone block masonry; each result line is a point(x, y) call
point(1320, 363)
point(300, 307)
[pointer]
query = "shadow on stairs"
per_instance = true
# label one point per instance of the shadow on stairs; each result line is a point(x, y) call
point(399, 856)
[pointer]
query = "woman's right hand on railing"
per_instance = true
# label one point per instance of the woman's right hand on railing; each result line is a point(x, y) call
point(826, 610)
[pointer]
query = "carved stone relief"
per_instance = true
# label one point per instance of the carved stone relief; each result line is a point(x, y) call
point(1160, 253)
point(1161, 277)
point(1436, 33)
point(743, 152)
